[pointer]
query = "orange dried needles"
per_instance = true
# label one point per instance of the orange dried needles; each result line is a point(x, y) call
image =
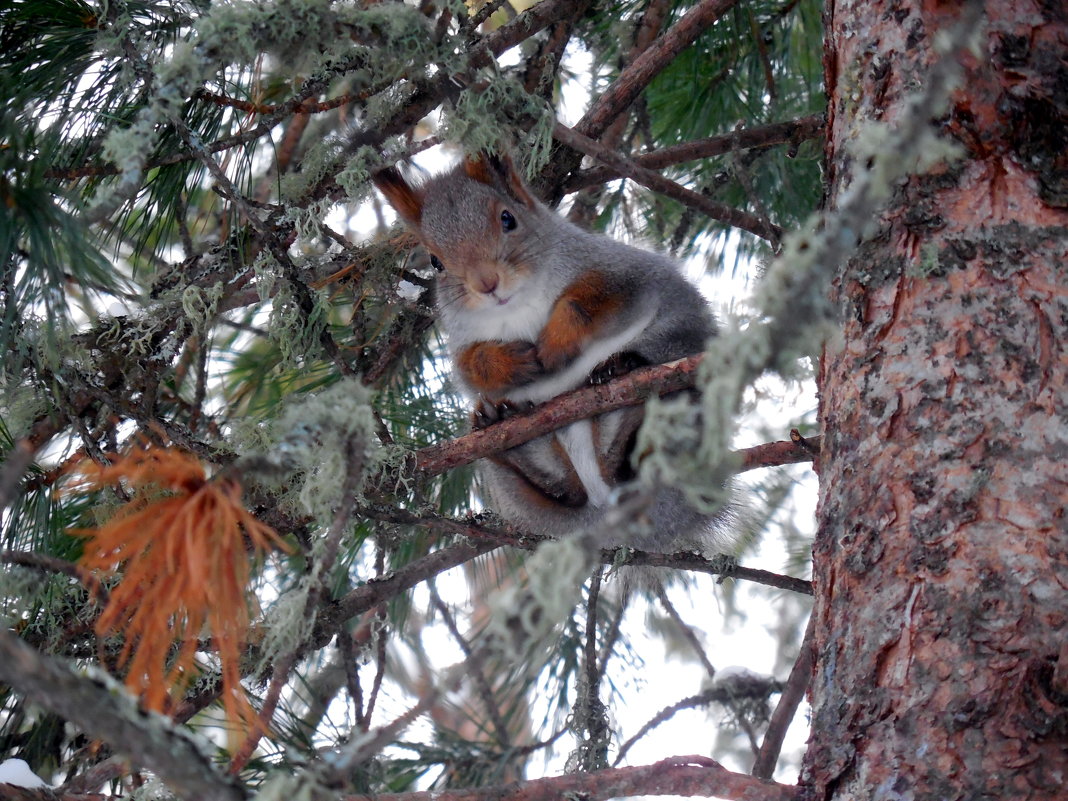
point(182, 549)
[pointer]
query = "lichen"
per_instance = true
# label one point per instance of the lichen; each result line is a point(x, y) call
point(319, 162)
point(486, 121)
point(153, 790)
point(308, 36)
point(355, 177)
point(200, 304)
point(287, 622)
point(267, 271)
point(324, 437)
point(19, 590)
point(521, 615)
point(929, 264)
point(295, 333)
point(20, 405)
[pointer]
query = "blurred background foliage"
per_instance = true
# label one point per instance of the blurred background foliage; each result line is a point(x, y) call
point(189, 248)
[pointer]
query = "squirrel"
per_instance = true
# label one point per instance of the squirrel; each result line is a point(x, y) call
point(533, 306)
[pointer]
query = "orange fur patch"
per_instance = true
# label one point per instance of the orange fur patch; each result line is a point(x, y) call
point(578, 313)
point(492, 368)
point(405, 199)
point(478, 169)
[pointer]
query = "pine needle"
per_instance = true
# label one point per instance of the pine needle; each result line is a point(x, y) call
point(182, 548)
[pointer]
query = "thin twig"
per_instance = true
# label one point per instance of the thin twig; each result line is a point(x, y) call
point(686, 629)
point(593, 673)
point(475, 664)
point(484, 13)
point(721, 695)
point(360, 749)
point(658, 183)
point(612, 635)
point(352, 673)
point(684, 560)
point(777, 133)
point(378, 632)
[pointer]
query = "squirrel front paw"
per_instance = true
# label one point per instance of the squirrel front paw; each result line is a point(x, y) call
point(486, 412)
point(492, 368)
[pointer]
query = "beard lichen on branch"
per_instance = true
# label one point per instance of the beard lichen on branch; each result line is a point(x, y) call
point(795, 316)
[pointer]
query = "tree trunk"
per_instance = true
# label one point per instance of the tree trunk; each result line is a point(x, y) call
point(941, 563)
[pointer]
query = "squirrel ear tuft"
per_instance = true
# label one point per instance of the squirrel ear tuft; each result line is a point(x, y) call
point(478, 169)
point(407, 201)
point(499, 172)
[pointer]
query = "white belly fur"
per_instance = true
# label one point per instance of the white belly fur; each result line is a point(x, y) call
point(577, 440)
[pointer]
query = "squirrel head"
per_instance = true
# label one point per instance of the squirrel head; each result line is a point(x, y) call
point(480, 224)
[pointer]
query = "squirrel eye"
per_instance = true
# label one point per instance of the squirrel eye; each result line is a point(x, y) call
point(508, 222)
point(435, 262)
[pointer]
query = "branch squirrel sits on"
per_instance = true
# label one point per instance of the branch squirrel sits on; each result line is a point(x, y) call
point(533, 306)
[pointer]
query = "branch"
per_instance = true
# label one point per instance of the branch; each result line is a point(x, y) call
point(686, 775)
point(430, 93)
point(632, 389)
point(108, 713)
point(53, 564)
point(665, 186)
point(687, 560)
point(721, 694)
point(369, 595)
point(792, 131)
point(630, 83)
point(789, 700)
point(633, 80)
point(683, 560)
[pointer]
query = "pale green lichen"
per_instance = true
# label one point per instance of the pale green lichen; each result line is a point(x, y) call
point(355, 177)
point(153, 790)
point(928, 264)
point(137, 335)
point(19, 591)
point(521, 615)
point(326, 444)
point(307, 220)
point(319, 162)
point(20, 405)
point(296, 334)
point(287, 622)
point(267, 271)
point(486, 120)
point(201, 304)
point(325, 436)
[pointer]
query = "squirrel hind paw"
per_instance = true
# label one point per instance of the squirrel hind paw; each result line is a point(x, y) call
point(487, 412)
point(615, 366)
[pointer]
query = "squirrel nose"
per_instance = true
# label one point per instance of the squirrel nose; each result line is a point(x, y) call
point(487, 284)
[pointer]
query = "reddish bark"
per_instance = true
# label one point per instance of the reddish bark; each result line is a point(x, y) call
point(941, 563)
point(684, 776)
